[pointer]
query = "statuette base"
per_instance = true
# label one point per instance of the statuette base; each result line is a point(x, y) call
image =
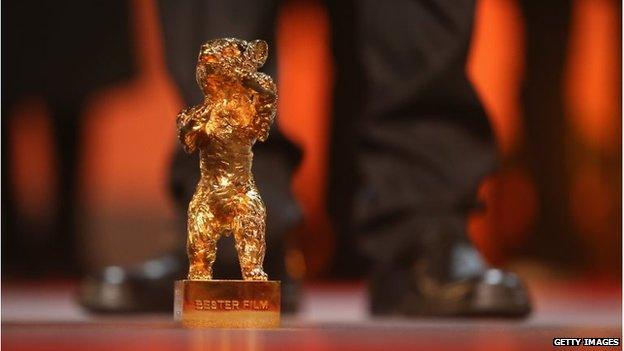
point(227, 303)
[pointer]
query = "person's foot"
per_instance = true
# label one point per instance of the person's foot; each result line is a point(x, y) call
point(492, 293)
point(148, 287)
point(432, 269)
point(448, 278)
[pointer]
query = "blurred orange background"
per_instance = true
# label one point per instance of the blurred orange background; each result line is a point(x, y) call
point(131, 137)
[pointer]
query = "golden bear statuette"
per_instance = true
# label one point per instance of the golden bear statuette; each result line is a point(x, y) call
point(238, 109)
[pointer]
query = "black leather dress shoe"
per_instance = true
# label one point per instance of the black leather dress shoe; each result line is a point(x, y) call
point(148, 287)
point(440, 273)
point(493, 293)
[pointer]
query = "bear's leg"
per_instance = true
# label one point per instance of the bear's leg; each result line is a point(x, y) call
point(202, 253)
point(249, 237)
point(201, 246)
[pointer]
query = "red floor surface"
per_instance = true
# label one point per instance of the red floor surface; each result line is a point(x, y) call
point(333, 317)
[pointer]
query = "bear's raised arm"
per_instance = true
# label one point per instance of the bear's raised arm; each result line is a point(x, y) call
point(266, 104)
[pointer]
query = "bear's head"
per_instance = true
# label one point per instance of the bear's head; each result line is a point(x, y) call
point(229, 59)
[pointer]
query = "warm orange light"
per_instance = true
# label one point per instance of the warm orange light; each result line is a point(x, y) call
point(593, 74)
point(304, 84)
point(496, 65)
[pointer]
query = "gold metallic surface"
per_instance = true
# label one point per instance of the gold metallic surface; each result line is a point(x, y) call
point(238, 109)
point(227, 303)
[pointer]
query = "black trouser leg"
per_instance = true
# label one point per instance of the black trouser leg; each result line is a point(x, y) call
point(13, 247)
point(348, 261)
point(424, 146)
point(425, 142)
point(546, 27)
point(66, 119)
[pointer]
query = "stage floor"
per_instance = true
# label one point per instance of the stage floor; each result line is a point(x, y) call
point(333, 317)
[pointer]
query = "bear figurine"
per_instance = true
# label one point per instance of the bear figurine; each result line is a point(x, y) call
point(238, 109)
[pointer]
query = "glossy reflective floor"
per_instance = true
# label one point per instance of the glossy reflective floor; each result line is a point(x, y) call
point(333, 317)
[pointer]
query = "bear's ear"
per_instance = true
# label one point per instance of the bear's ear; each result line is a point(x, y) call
point(257, 52)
